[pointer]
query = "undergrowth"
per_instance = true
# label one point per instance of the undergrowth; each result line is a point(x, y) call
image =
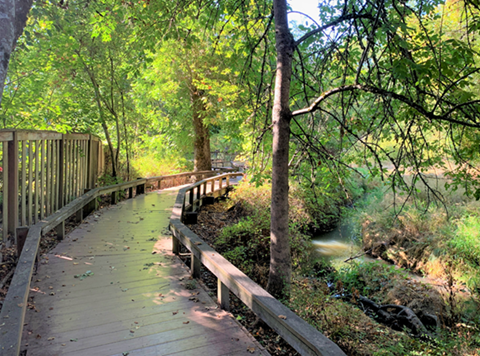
point(246, 244)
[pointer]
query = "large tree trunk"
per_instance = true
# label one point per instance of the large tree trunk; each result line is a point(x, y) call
point(202, 160)
point(280, 259)
point(13, 16)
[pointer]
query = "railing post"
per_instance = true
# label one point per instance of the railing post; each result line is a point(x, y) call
point(195, 266)
point(22, 233)
point(60, 229)
point(60, 173)
point(175, 245)
point(79, 216)
point(5, 192)
point(140, 188)
point(228, 181)
point(12, 204)
point(113, 198)
point(223, 295)
point(130, 193)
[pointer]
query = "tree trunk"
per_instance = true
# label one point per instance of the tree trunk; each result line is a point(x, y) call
point(13, 16)
point(202, 160)
point(280, 259)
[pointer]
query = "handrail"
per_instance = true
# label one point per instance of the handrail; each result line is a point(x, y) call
point(297, 332)
point(12, 315)
point(48, 169)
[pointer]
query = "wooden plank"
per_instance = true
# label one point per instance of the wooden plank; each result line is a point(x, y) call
point(14, 306)
point(299, 334)
point(58, 174)
point(33, 135)
point(6, 193)
point(6, 136)
point(80, 168)
point(38, 186)
point(68, 169)
point(24, 183)
point(30, 183)
point(48, 179)
point(12, 205)
point(76, 136)
point(90, 183)
point(223, 295)
point(44, 183)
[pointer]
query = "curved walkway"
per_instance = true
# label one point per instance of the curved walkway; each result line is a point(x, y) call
point(113, 287)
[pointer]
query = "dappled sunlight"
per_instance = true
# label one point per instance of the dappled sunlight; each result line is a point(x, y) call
point(64, 257)
point(332, 248)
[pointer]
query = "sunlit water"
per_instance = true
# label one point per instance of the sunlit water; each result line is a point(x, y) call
point(337, 245)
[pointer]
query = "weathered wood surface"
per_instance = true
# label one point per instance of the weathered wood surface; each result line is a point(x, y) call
point(135, 302)
point(297, 332)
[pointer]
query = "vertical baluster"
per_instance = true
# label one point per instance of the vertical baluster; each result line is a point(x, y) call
point(43, 191)
point(37, 186)
point(5, 192)
point(24, 183)
point(68, 170)
point(48, 171)
point(77, 165)
point(30, 182)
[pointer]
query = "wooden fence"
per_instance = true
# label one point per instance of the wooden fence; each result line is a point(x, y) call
point(12, 315)
point(42, 172)
point(297, 332)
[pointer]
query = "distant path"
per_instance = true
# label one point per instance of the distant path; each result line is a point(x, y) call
point(135, 302)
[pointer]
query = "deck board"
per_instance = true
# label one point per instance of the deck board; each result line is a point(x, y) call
point(135, 302)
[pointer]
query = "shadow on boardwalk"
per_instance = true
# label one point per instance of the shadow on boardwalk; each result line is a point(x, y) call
point(113, 287)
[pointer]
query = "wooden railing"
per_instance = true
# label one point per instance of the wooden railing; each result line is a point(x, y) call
point(12, 315)
point(222, 159)
point(297, 332)
point(43, 171)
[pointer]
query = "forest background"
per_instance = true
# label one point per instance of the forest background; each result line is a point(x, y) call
point(368, 94)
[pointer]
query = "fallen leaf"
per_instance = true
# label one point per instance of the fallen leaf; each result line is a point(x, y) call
point(73, 340)
point(175, 313)
point(186, 322)
point(38, 336)
point(132, 331)
point(251, 349)
point(20, 305)
point(50, 338)
point(198, 243)
point(282, 317)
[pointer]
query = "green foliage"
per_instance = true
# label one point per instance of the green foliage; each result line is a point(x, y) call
point(148, 166)
point(368, 278)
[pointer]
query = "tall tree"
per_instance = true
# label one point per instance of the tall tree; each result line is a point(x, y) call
point(371, 71)
point(13, 16)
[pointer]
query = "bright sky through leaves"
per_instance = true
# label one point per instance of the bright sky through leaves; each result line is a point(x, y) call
point(308, 7)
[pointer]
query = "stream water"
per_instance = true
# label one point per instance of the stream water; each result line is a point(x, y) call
point(338, 244)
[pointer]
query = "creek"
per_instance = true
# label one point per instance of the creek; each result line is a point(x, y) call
point(338, 245)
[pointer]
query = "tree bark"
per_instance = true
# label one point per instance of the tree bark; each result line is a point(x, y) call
point(13, 16)
point(279, 279)
point(202, 160)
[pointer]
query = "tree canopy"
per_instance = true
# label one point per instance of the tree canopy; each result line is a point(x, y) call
point(384, 84)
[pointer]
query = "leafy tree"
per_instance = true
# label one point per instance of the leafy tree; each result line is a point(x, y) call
point(368, 74)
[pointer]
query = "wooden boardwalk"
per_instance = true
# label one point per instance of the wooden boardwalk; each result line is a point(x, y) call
point(113, 287)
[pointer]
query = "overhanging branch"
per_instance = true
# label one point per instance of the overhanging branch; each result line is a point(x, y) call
point(370, 89)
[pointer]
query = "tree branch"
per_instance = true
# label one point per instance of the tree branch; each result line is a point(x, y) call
point(386, 93)
point(331, 24)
